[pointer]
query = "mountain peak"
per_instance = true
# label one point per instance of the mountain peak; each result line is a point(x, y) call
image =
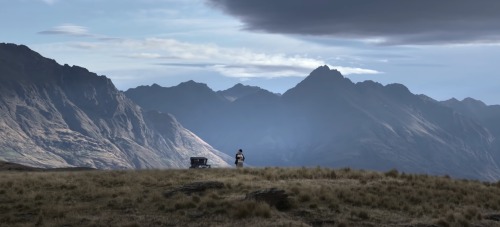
point(242, 86)
point(20, 53)
point(325, 71)
point(323, 68)
point(10, 46)
point(192, 83)
point(473, 102)
point(238, 85)
point(454, 100)
point(321, 79)
point(398, 88)
point(469, 102)
point(239, 90)
point(20, 62)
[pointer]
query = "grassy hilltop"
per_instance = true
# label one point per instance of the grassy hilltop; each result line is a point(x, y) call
point(317, 197)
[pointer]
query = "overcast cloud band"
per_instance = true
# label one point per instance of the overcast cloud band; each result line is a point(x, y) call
point(389, 22)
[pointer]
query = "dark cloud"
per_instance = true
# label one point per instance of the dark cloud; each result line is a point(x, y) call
point(391, 22)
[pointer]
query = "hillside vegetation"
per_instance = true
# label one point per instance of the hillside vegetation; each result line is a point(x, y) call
point(316, 197)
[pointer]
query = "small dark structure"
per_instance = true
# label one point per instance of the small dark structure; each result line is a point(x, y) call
point(199, 163)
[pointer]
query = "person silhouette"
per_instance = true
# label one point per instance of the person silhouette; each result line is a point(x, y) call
point(239, 158)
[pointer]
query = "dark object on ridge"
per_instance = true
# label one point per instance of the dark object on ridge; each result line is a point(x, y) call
point(199, 163)
point(190, 188)
point(272, 196)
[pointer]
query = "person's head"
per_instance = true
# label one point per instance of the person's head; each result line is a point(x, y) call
point(240, 150)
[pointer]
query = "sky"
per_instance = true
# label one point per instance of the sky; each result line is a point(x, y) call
point(443, 49)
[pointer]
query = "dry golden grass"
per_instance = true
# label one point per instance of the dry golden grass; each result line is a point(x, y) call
point(319, 196)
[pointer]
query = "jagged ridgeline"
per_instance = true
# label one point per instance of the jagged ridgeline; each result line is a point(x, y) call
point(55, 115)
point(328, 120)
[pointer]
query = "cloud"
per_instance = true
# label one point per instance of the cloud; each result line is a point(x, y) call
point(145, 55)
point(266, 71)
point(351, 70)
point(236, 62)
point(230, 62)
point(77, 31)
point(383, 22)
point(85, 45)
point(67, 29)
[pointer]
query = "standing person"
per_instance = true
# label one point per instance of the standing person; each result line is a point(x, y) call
point(239, 158)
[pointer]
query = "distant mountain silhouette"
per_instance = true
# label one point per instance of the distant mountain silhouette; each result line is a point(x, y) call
point(211, 114)
point(59, 116)
point(487, 116)
point(328, 120)
point(239, 90)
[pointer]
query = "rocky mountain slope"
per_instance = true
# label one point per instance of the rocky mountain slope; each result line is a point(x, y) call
point(487, 116)
point(328, 120)
point(55, 116)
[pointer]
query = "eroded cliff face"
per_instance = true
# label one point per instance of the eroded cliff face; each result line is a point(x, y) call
point(53, 116)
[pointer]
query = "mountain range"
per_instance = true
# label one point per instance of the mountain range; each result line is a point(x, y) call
point(327, 120)
point(55, 115)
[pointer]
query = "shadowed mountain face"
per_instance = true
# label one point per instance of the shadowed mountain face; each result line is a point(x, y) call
point(327, 120)
point(56, 116)
point(228, 123)
point(487, 116)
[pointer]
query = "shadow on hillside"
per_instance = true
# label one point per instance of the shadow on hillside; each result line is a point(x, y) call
point(9, 166)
